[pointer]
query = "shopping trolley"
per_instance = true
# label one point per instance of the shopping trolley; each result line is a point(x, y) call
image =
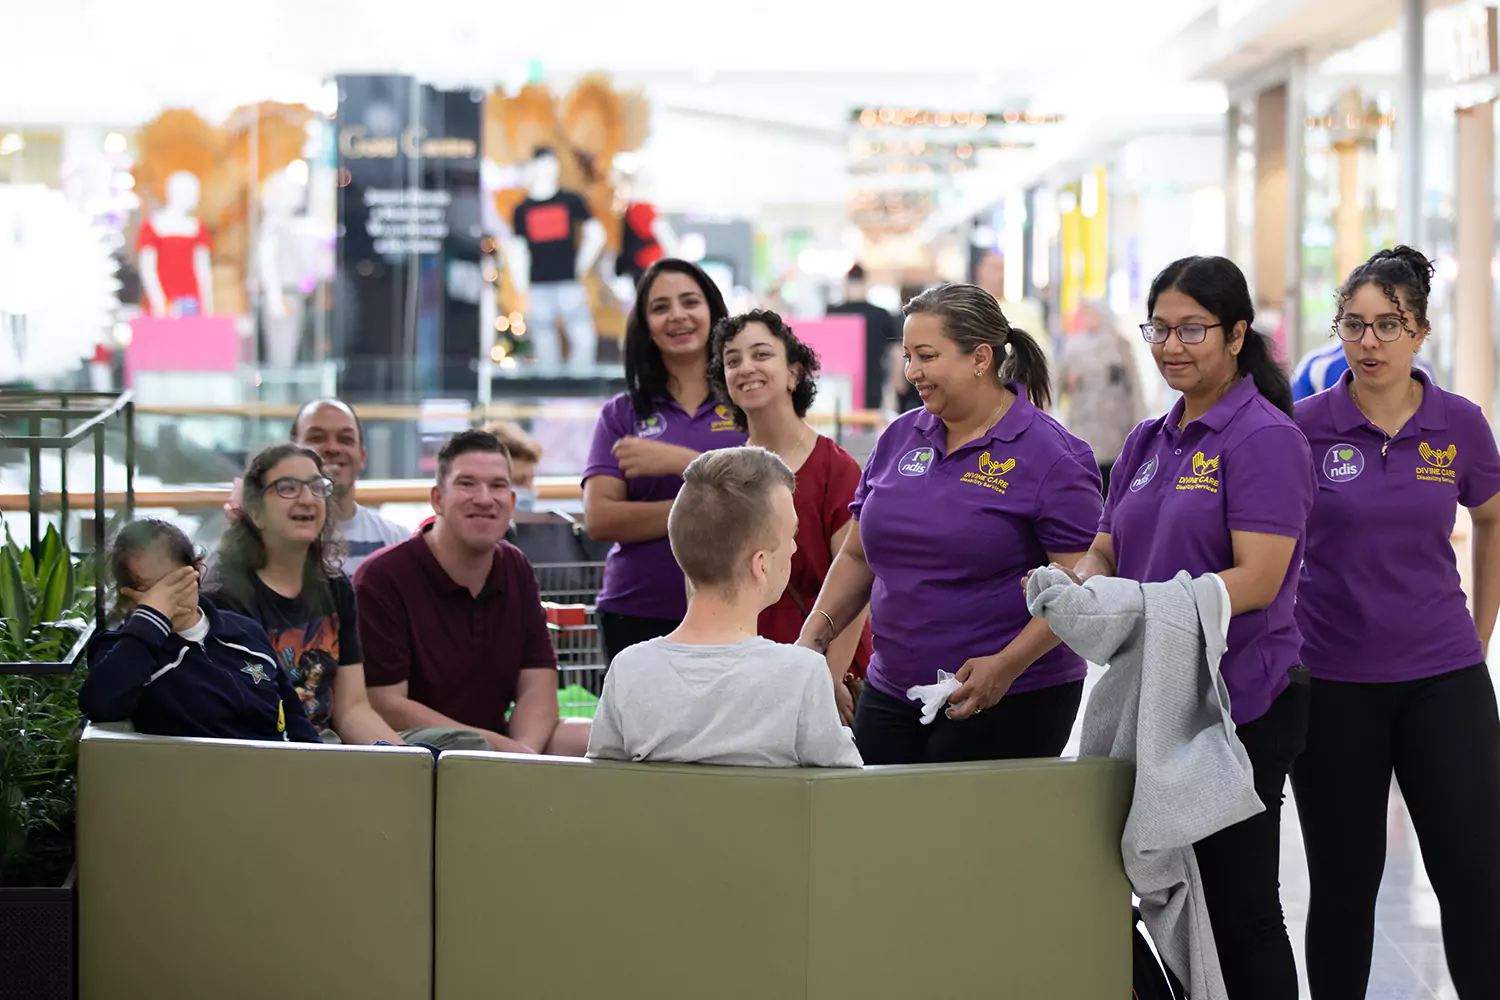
point(569, 592)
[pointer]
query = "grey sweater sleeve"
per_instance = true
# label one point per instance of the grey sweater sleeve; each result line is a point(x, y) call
point(822, 739)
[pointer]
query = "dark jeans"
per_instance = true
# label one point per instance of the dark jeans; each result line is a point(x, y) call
point(623, 631)
point(1035, 724)
point(1440, 737)
point(1241, 865)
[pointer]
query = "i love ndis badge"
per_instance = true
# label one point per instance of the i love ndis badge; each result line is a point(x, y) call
point(1343, 463)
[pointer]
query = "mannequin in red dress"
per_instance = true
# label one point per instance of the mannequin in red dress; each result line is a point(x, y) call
point(173, 252)
point(769, 376)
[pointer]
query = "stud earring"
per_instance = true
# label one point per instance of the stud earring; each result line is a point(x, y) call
point(979, 373)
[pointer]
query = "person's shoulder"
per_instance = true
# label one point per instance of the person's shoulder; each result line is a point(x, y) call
point(386, 564)
point(1263, 425)
point(1314, 412)
point(618, 408)
point(515, 563)
point(836, 456)
point(1463, 413)
point(236, 626)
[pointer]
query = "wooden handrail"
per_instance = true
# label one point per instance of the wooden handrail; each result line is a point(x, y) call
point(477, 414)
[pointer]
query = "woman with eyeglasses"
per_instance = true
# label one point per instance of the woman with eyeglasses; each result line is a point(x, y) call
point(1223, 484)
point(278, 563)
point(1400, 685)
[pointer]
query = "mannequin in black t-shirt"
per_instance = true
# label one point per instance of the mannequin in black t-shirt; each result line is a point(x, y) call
point(556, 242)
point(880, 333)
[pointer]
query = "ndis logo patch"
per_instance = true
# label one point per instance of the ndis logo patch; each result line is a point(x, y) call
point(1343, 463)
point(915, 462)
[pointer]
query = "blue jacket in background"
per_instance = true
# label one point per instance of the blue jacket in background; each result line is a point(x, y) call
point(229, 686)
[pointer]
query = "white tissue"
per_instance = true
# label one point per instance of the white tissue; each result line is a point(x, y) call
point(934, 697)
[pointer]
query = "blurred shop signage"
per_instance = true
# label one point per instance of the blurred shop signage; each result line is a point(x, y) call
point(409, 232)
point(878, 118)
point(1475, 53)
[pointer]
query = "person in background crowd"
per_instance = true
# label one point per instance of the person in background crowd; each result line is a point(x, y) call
point(769, 377)
point(1222, 484)
point(645, 438)
point(714, 691)
point(902, 392)
point(880, 335)
point(525, 455)
point(454, 631)
point(1324, 367)
point(177, 665)
point(278, 564)
point(1399, 683)
point(1097, 372)
point(332, 429)
point(958, 502)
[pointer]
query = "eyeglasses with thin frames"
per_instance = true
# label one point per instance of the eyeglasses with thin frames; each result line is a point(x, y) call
point(1387, 328)
point(290, 487)
point(1188, 333)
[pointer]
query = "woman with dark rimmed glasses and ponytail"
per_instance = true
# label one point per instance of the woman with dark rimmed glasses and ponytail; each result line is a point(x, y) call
point(1400, 686)
point(1222, 484)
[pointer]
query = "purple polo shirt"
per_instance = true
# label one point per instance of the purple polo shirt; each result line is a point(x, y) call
point(1380, 598)
point(461, 655)
point(950, 537)
point(642, 578)
point(1174, 497)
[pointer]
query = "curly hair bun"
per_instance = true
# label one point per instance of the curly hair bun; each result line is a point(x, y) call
point(1422, 269)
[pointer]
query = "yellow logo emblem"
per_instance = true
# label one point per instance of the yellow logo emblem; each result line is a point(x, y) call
point(1205, 475)
point(1438, 459)
point(990, 467)
point(725, 421)
point(1205, 466)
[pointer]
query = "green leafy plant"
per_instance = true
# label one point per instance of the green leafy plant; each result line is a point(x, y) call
point(46, 602)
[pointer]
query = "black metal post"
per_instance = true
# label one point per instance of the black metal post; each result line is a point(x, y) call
point(130, 461)
point(34, 491)
point(98, 522)
point(62, 525)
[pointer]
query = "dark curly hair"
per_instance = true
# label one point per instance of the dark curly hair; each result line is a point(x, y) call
point(1399, 269)
point(242, 549)
point(797, 353)
point(645, 372)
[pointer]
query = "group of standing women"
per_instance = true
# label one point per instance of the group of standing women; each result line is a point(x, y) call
point(1352, 654)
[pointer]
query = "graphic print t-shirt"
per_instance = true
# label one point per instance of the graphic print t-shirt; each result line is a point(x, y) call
point(313, 635)
point(550, 229)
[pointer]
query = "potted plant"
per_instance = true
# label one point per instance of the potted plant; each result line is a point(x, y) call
point(46, 603)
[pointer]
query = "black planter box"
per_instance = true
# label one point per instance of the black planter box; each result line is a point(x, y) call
point(37, 943)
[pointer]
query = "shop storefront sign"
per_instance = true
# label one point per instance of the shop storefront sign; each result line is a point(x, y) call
point(406, 308)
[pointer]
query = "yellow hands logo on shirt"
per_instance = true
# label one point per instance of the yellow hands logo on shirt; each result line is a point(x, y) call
point(1205, 475)
point(1439, 467)
point(725, 421)
point(990, 473)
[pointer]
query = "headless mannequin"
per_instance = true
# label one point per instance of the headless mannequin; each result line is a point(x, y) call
point(542, 237)
point(173, 222)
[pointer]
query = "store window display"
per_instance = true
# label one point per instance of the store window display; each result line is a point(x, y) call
point(556, 242)
point(174, 251)
point(289, 261)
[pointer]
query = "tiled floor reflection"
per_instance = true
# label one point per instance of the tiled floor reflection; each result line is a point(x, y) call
point(1408, 962)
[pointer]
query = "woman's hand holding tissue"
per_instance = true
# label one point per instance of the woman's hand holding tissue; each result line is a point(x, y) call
point(985, 681)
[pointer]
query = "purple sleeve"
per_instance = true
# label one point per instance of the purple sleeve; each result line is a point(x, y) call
point(1119, 478)
point(863, 489)
point(1481, 478)
point(611, 427)
point(1268, 482)
point(1070, 505)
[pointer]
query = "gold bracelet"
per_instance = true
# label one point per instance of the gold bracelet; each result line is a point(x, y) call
point(831, 626)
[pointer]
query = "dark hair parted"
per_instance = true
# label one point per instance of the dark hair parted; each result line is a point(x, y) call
point(723, 512)
point(798, 355)
point(971, 317)
point(1219, 286)
point(468, 443)
point(645, 371)
point(242, 549)
point(1399, 269)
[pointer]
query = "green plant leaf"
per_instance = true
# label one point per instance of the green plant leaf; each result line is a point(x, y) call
point(52, 551)
point(14, 603)
point(53, 590)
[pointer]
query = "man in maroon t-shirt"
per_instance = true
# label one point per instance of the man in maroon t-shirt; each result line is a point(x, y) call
point(451, 620)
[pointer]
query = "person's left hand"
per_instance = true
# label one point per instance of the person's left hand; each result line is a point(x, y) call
point(640, 457)
point(1071, 575)
point(985, 681)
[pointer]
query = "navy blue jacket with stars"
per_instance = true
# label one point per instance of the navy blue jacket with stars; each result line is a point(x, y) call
point(228, 686)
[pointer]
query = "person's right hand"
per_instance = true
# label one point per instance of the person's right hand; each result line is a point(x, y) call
point(504, 744)
point(174, 595)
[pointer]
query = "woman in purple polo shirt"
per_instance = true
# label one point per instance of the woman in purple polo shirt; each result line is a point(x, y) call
point(959, 500)
point(1399, 680)
point(645, 438)
point(1222, 484)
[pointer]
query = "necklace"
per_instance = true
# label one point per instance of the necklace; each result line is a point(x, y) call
point(1354, 398)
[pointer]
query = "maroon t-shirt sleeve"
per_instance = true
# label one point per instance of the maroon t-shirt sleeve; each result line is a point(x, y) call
point(383, 625)
point(537, 651)
point(843, 474)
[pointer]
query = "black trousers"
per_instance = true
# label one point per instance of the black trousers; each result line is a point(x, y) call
point(1035, 724)
point(1241, 866)
point(1440, 737)
point(622, 631)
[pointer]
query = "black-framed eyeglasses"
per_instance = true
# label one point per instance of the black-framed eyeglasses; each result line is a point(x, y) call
point(290, 487)
point(1188, 333)
point(1387, 328)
